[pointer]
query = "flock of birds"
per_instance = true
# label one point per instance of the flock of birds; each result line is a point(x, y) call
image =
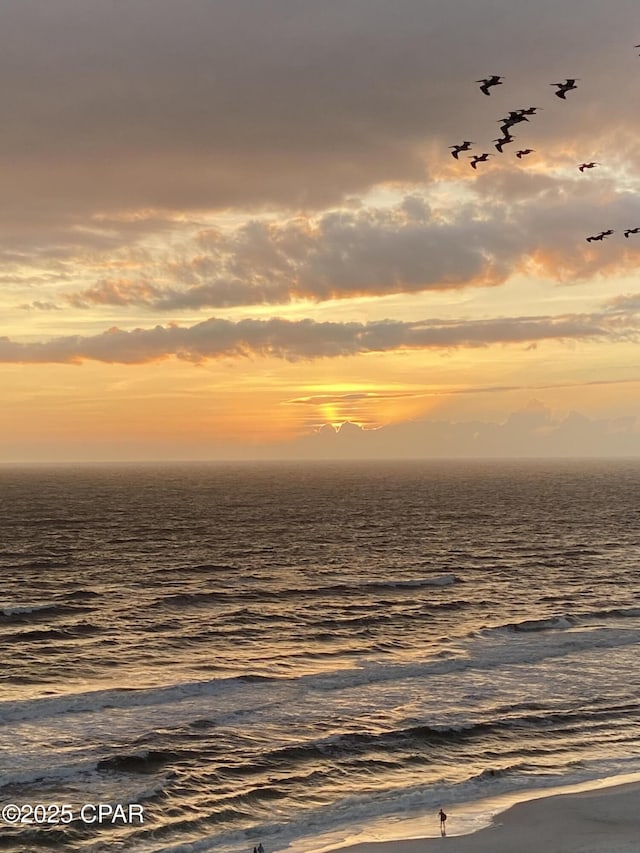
point(516, 117)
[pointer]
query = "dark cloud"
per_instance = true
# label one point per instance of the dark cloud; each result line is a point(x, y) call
point(73, 242)
point(378, 251)
point(306, 339)
point(121, 291)
point(625, 304)
point(111, 105)
point(341, 254)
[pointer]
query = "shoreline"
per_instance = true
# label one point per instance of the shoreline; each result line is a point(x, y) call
point(601, 816)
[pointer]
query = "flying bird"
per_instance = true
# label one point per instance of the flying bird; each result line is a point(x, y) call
point(563, 88)
point(600, 236)
point(516, 116)
point(530, 111)
point(478, 158)
point(510, 120)
point(488, 82)
point(458, 148)
point(523, 152)
point(631, 231)
point(584, 166)
point(503, 141)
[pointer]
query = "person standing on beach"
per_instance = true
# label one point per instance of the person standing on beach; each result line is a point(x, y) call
point(260, 848)
point(443, 820)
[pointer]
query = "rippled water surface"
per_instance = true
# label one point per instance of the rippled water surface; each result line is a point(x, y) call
point(271, 652)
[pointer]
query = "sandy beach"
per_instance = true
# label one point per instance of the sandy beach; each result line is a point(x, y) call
point(606, 820)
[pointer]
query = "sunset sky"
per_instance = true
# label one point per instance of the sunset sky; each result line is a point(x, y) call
point(227, 223)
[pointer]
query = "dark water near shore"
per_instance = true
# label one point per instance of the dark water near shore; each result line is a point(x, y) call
point(276, 651)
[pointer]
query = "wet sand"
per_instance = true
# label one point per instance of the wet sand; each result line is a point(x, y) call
point(606, 820)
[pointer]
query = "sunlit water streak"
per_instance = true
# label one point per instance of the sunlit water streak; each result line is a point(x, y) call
point(276, 652)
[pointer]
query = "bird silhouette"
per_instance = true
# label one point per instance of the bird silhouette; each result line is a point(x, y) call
point(631, 231)
point(508, 122)
point(488, 82)
point(584, 166)
point(516, 115)
point(563, 88)
point(503, 141)
point(600, 236)
point(530, 111)
point(458, 148)
point(523, 152)
point(478, 158)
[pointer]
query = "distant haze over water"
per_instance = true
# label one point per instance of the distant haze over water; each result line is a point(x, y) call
point(277, 651)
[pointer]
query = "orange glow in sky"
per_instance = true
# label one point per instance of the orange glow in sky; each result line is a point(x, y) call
point(205, 256)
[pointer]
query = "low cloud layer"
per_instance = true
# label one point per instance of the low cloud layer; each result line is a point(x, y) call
point(407, 248)
point(532, 432)
point(307, 339)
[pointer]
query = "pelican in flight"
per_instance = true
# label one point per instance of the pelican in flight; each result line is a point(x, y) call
point(488, 82)
point(466, 145)
point(600, 236)
point(563, 88)
point(530, 111)
point(631, 231)
point(510, 120)
point(584, 166)
point(478, 158)
point(505, 140)
point(523, 152)
point(516, 116)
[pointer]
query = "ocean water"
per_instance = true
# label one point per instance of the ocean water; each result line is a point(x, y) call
point(290, 652)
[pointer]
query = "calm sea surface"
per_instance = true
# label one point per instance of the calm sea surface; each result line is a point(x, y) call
point(274, 652)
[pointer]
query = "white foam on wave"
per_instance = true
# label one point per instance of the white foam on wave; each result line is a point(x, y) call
point(624, 612)
point(54, 771)
point(551, 623)
point(25, 609)
point(93, 701)
point(555, 623)
point(442, 580)
point(405, 814)
point(430, 693)
point(476, 655)
point(564, 621)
